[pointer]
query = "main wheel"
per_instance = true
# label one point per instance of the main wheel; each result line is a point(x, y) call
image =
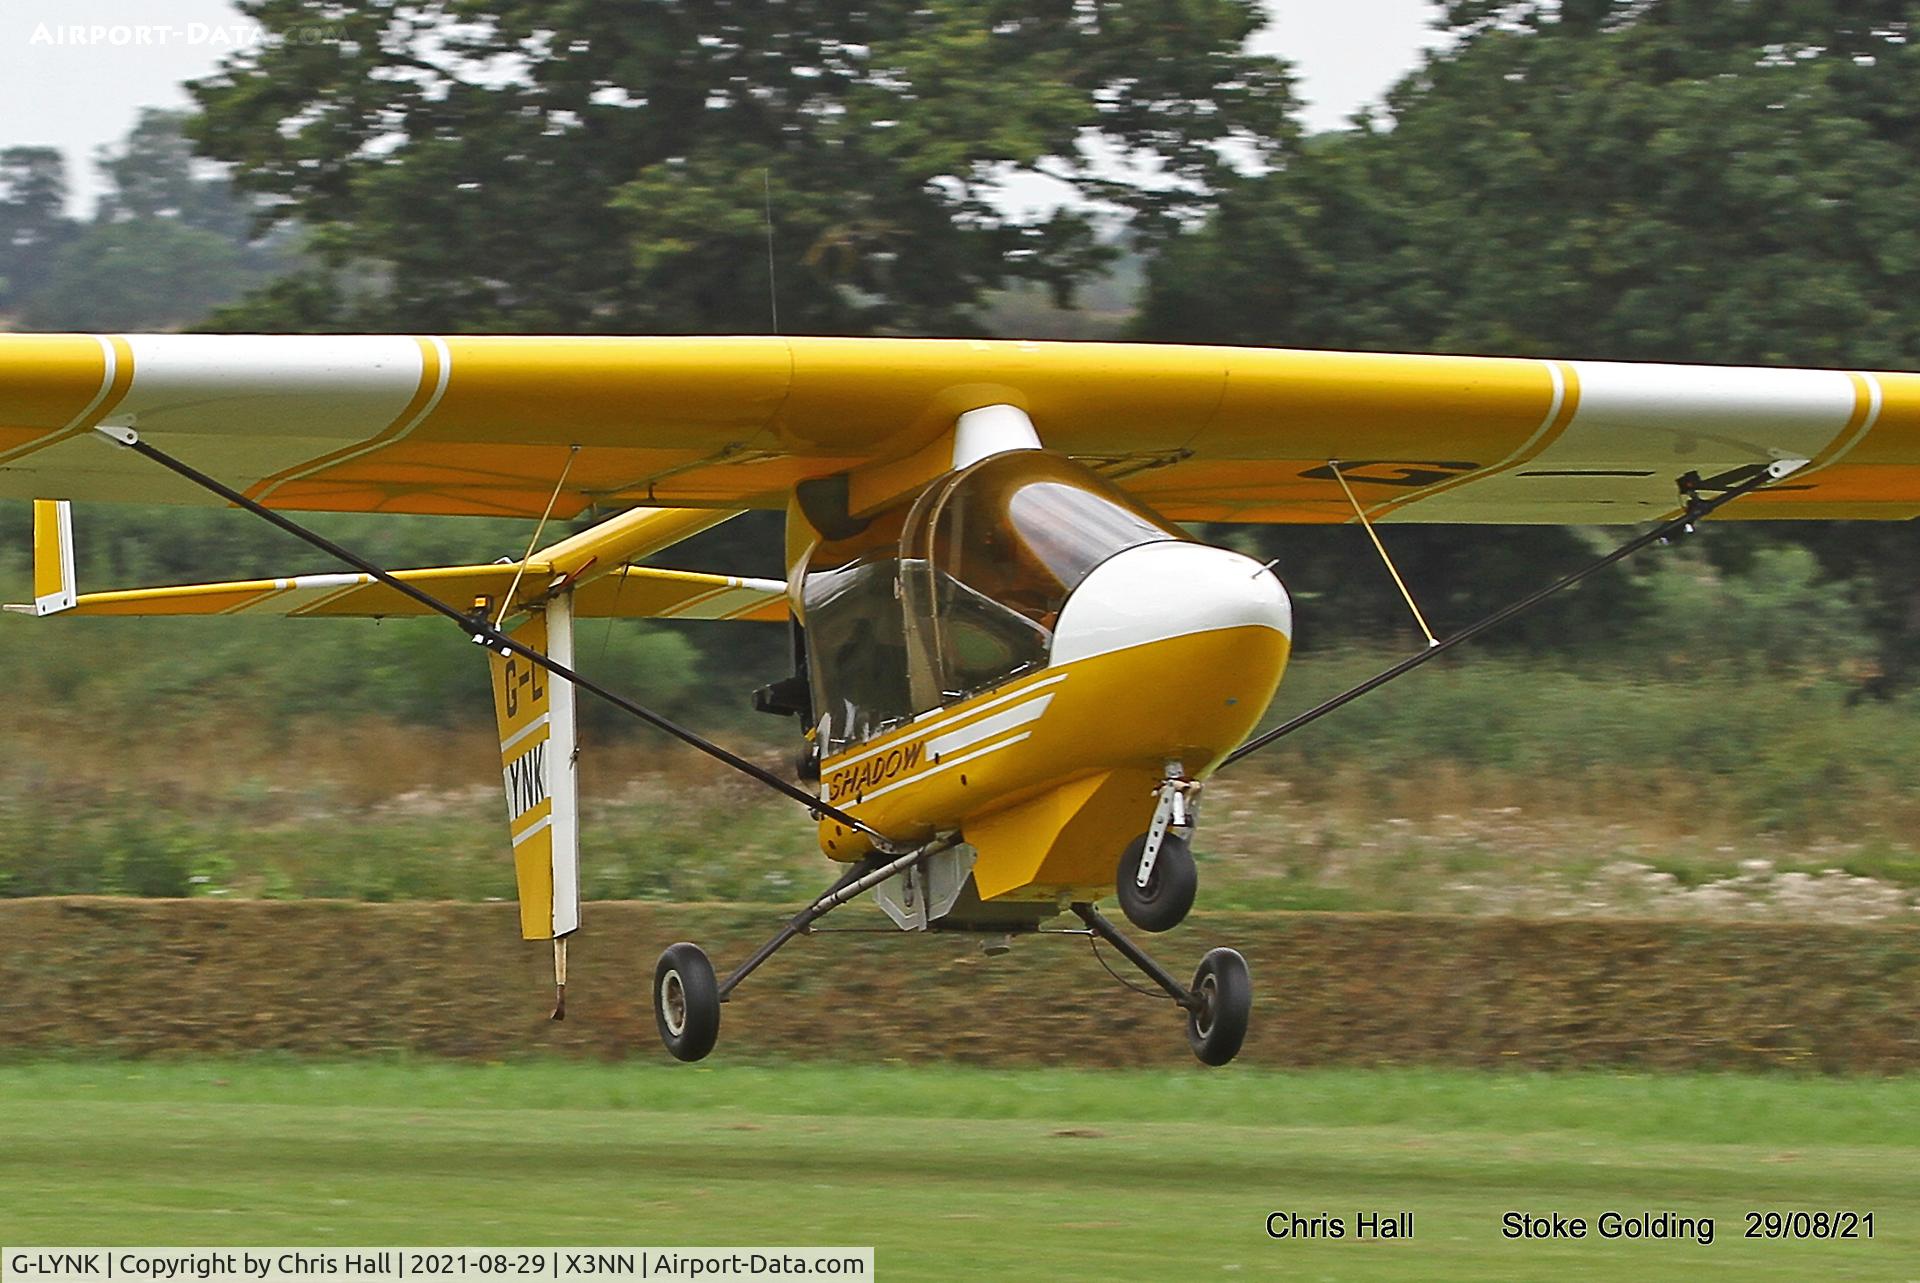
point(686, 1001)
point(1225, 990)
point(1162, 904)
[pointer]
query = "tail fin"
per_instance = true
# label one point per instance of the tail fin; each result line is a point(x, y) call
point(53, 577)
point(535, 713)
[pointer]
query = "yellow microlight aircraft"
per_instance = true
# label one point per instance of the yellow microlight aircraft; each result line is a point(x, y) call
point(1013, 672)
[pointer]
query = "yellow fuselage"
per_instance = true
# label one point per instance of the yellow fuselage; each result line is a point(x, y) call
point(1049, 775)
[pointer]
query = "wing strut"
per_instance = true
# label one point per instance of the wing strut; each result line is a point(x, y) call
point(506, 602)
point(1401, 584)
point(1695, 505)
point(478, 628)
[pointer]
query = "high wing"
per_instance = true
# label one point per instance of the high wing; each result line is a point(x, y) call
point(485, 425)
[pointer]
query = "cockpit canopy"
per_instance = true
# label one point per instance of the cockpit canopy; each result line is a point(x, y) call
point(958, 589)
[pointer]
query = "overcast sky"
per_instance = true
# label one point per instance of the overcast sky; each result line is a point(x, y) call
point(80, 95)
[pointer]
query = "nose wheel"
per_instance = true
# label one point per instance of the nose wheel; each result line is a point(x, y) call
point(1157, 894)
point(1156, 880)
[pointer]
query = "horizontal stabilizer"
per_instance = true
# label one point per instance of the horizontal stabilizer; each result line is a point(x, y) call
point(640, 592)
point(637, 592)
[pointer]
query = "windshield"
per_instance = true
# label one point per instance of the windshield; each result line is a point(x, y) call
point(957, 590)
point(1004, 543)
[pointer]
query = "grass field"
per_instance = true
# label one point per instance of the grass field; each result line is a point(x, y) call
point(962, 1174)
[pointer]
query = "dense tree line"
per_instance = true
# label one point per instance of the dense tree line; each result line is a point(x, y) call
point(168, 242)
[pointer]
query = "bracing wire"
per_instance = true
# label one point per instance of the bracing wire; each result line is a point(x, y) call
point(1098, 957)
point(613, 613)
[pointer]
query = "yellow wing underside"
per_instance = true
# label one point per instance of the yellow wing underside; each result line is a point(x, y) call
point(631, 593)
point(485, 425)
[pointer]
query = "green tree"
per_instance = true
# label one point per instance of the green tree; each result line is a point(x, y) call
point(1628, 179)
point(563, 166)
point(33, 218)
point(167, 245)
point(1637, 181)
point(154, 174)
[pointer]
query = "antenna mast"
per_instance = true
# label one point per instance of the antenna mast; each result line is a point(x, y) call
point(773, 292)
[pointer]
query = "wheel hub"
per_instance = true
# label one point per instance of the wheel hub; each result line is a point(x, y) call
point(673, 1003)
point(1203, 1017)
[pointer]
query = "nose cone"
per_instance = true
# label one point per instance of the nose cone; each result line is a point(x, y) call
point(1158, 591)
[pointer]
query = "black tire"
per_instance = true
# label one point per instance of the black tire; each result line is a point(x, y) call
point(1226, 994)
point(1163, 903)
point(686, 1001)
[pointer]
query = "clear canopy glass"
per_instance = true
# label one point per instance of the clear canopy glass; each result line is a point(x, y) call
point(955, 591)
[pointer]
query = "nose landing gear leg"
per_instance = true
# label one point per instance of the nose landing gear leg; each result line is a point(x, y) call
point(1219, 1002)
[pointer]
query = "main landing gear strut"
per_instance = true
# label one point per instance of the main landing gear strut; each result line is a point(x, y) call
point(686, 991)
point(688, 995)
point(1218, 1003)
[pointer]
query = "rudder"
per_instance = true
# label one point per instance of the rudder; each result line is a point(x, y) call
point(53, 577)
